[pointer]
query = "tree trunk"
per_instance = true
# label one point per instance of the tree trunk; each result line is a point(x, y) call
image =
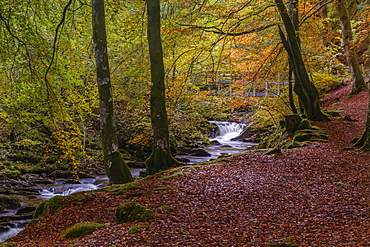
point(325, 30)
point(364, 141)
point(292, 122)
point(304, 88)
point(358, 83)
point(116, 169)
point(161, 157)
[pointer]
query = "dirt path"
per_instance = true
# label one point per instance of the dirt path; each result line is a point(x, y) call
point(314, 196)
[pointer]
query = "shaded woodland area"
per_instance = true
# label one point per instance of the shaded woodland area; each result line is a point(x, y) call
point(94, 88)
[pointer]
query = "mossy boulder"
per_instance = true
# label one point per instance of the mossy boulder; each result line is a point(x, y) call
point(302, 136)
point(304, 124)
point(11, 173)
point(9, 202)
point(48, 207)
point(81, 229)
point(133, 211)
point(122, 189)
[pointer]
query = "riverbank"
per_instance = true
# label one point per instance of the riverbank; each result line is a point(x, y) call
point(317, 195)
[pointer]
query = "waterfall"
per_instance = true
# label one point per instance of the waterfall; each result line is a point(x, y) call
point(228, 130)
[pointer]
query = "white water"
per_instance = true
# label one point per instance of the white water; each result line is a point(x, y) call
point(48, 191)
point(86, 184)
point(226, 132)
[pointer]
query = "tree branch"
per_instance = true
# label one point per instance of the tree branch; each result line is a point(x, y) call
point(56, 40)
point(217, 30)
point(7, 26)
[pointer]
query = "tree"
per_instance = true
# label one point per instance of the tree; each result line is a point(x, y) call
point(161, 157)
point(304, 88)
point(358, 83)
point(116, 169)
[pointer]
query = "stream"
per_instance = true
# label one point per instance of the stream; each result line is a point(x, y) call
point(12, 223)
point(222, 145)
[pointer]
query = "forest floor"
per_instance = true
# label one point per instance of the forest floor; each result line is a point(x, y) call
point(317, 195)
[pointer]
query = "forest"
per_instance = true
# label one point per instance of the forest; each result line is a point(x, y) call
point(98, 88)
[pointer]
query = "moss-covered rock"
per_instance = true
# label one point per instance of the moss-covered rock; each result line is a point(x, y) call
point(48, 207)
point(300, 136)
point(175, 175)
point(11, 173)
point(122, 189)
point(81, 229)
point(133, 211)
point(135, 194)
point(304, 124)
point(9, 202)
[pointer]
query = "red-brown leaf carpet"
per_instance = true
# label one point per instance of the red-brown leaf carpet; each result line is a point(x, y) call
point(312, 196)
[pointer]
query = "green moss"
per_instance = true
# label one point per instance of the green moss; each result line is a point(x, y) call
point(175, 175)
point(10, 173)
point(168, 208)
point(119, 172)
point(133, 211)
point(332, 113)
point(354, 140)
point(294, 144)
point(81, 229)
point(48, 207)
point(300, 136)
point(179, 168)
point(275, 151)
point(349, 118)
point(7, 244)
point(304, 124)
point(321, 130)
point(137, 194)
point(31, 168)
point(274, 140)
point(136, 229)
point(9, 202)
point(122, 189)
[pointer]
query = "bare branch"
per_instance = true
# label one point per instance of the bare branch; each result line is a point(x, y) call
point(307, 16)
point(217, 30)
point(56, 39)
point(7, 26)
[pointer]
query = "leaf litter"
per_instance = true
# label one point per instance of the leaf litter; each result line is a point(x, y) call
point(317, 195)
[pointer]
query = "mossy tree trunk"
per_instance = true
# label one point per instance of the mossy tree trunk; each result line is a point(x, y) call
point(161, 157)
point(358, 83)
point(304, 88)
point(364, 141)
point(116, 169)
